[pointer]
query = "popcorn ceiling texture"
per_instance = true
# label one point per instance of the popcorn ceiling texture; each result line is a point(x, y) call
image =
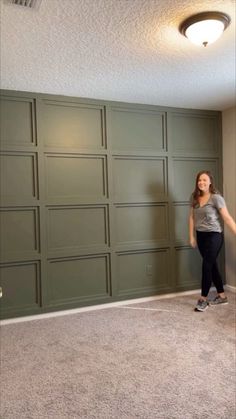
point(125, 50)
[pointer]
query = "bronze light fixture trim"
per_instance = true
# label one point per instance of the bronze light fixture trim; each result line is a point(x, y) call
point(205, 24)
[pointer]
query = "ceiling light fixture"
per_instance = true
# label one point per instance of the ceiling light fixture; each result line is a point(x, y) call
point(204, 28)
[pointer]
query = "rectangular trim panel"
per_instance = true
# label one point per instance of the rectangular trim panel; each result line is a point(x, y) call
point(138, 129)
point(143, 272)
point(75, 178)
point(20, 235)
point(19, 178)
point(195, 133)
point(22, 112)
point(72, 229)
point(139, 179)
point(21, 287)
point(73, 125)
point(79, 279)
point(141, 224)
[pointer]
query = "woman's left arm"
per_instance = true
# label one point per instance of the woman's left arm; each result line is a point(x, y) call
point(228, 219)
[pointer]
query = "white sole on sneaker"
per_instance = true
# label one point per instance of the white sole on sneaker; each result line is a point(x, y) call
point(201, 309)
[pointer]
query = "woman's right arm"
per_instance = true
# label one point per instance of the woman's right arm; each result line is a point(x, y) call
point(192, 239)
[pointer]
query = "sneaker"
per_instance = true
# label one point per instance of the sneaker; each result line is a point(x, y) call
point(201, 305)
point(219, 300)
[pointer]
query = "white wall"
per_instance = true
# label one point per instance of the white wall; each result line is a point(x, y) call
point(229, 179)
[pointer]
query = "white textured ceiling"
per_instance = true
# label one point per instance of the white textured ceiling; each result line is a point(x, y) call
point(125, 50)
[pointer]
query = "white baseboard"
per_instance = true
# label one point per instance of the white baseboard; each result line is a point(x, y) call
point(96, 307)
point(105, 306)
point(230, 288)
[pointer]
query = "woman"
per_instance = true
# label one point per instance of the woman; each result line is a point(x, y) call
point(207, 207)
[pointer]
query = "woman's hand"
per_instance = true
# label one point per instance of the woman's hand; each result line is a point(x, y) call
point(193, 242)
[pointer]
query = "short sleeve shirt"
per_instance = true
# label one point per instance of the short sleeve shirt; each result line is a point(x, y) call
point(207, 217)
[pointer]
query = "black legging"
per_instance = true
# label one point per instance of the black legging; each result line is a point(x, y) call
point(209, 245)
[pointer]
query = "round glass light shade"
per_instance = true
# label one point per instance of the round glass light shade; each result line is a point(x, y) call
point(204, 28)
point(205, 32)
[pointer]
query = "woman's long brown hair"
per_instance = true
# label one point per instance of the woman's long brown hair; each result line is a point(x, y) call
point(196, 193)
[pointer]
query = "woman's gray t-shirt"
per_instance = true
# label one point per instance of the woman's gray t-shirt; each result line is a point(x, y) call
point(207, 217)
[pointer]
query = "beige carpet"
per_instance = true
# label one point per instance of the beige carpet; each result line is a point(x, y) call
point(149, 360)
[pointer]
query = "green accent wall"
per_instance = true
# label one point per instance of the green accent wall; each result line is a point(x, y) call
point(94, 199)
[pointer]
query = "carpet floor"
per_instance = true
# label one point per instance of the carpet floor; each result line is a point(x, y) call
point(157, 359)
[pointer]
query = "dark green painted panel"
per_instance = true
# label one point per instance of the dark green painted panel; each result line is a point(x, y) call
point(20, 286)
point(17, 121)
point(187, 268)
point(72, 228)
point(73, 176)
point(79, 279)
point(94, 197)
point(195, 133)
point(18, 177)
point(136, 129)
point(139, 272)
point(185, 173)
point(139, 179)
point(180, 221)
point(139, 224)
point(19, 232)
point(74, 126)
